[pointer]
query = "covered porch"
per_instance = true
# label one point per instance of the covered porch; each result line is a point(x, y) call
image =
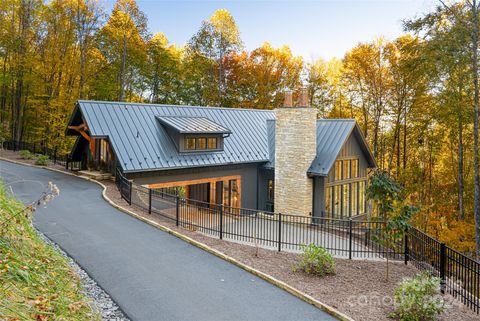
point(205, 192)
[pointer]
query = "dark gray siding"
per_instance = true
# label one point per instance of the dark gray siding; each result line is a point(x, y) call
point(247, 172)
point(318, 196)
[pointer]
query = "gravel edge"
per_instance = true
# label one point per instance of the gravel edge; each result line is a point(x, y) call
point(100, 301)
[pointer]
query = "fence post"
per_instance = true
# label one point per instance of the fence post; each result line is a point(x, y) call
point(149, 201)
point(55, 155)
point(405, 252)
point(279, 232)
point(350, 238)
point(177, 210)
point(443, 261)
point(34, 147)
point(221, 221)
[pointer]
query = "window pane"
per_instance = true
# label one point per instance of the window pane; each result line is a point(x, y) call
point(354, 187)
point(338, 170)
point(337, 201)
point(226, 193)
point(346, 200)
point(361, 197)
point(346, 169)
point(201, 143)
point(234, 194)
point(212, 143)
point(271, 190)
point(190, 143)
point(354, 168)
point(328, 202)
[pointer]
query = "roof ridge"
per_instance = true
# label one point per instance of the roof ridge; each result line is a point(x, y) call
point(172, 105)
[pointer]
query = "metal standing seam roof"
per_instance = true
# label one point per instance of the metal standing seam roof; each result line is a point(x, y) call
point(141, 143)
point(332, 134)
point(193, 125)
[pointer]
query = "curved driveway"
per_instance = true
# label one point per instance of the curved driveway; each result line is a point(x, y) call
point(151, 274)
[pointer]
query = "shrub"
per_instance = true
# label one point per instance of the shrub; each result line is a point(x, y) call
point(418, 299)
point(25, 154)
point(316, 260)
point(42, 160)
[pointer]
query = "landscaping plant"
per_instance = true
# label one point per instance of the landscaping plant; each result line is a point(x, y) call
point(418, 299)
point(316, 260)
point(42, 160)
point(395, 215)
point(25, 154)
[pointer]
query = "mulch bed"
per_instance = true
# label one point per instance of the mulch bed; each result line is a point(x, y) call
point(359, 288)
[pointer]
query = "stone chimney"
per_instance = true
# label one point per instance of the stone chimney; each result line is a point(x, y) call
point(295, 149)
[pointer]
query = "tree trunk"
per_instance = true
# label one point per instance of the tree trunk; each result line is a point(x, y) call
point(475, 127)
point(123, 69)
point(460, 167)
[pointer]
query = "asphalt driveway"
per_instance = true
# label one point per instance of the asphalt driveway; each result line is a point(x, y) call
point(151, 274)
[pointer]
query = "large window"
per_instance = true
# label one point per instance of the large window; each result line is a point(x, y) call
point(328, 201)
point(346, 200)
point(346, 169)
point(337, 201)
point(354, 196)
point(361, 197)
point(354, 168)
point(338, 170)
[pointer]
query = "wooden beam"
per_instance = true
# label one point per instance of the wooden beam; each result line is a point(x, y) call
point(193, 181)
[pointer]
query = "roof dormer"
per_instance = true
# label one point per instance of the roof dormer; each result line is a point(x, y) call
point(194, 134)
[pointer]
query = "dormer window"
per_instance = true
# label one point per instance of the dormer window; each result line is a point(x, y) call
point(200, 143)
point(194, 134)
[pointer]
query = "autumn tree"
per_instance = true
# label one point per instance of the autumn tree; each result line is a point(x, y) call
point(121, 42)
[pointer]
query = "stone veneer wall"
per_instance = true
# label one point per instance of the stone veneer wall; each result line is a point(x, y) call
point(295, 149)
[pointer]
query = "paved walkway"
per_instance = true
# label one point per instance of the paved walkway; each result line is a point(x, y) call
point(151, 274)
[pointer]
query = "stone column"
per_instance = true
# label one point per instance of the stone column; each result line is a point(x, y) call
point(295, 149)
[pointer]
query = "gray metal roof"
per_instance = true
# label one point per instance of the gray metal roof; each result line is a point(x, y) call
point(331, 136)
point(193, 125)
point(142, 144)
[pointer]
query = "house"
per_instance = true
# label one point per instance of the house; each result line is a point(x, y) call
point(285, 160)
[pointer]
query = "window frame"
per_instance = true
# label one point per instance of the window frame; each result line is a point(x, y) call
point(201, 143)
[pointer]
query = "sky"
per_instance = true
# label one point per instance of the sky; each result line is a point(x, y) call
point(313, 29)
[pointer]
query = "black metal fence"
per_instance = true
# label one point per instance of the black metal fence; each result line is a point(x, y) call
point(347, 238)
point(39, 148)
point(459, 274)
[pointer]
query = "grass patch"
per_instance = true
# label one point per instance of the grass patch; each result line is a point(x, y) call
point(36, 282)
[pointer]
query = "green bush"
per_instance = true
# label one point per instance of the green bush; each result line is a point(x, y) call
point(25, 154)
point(418, 299)
point(316, 260)
point(42, 160)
